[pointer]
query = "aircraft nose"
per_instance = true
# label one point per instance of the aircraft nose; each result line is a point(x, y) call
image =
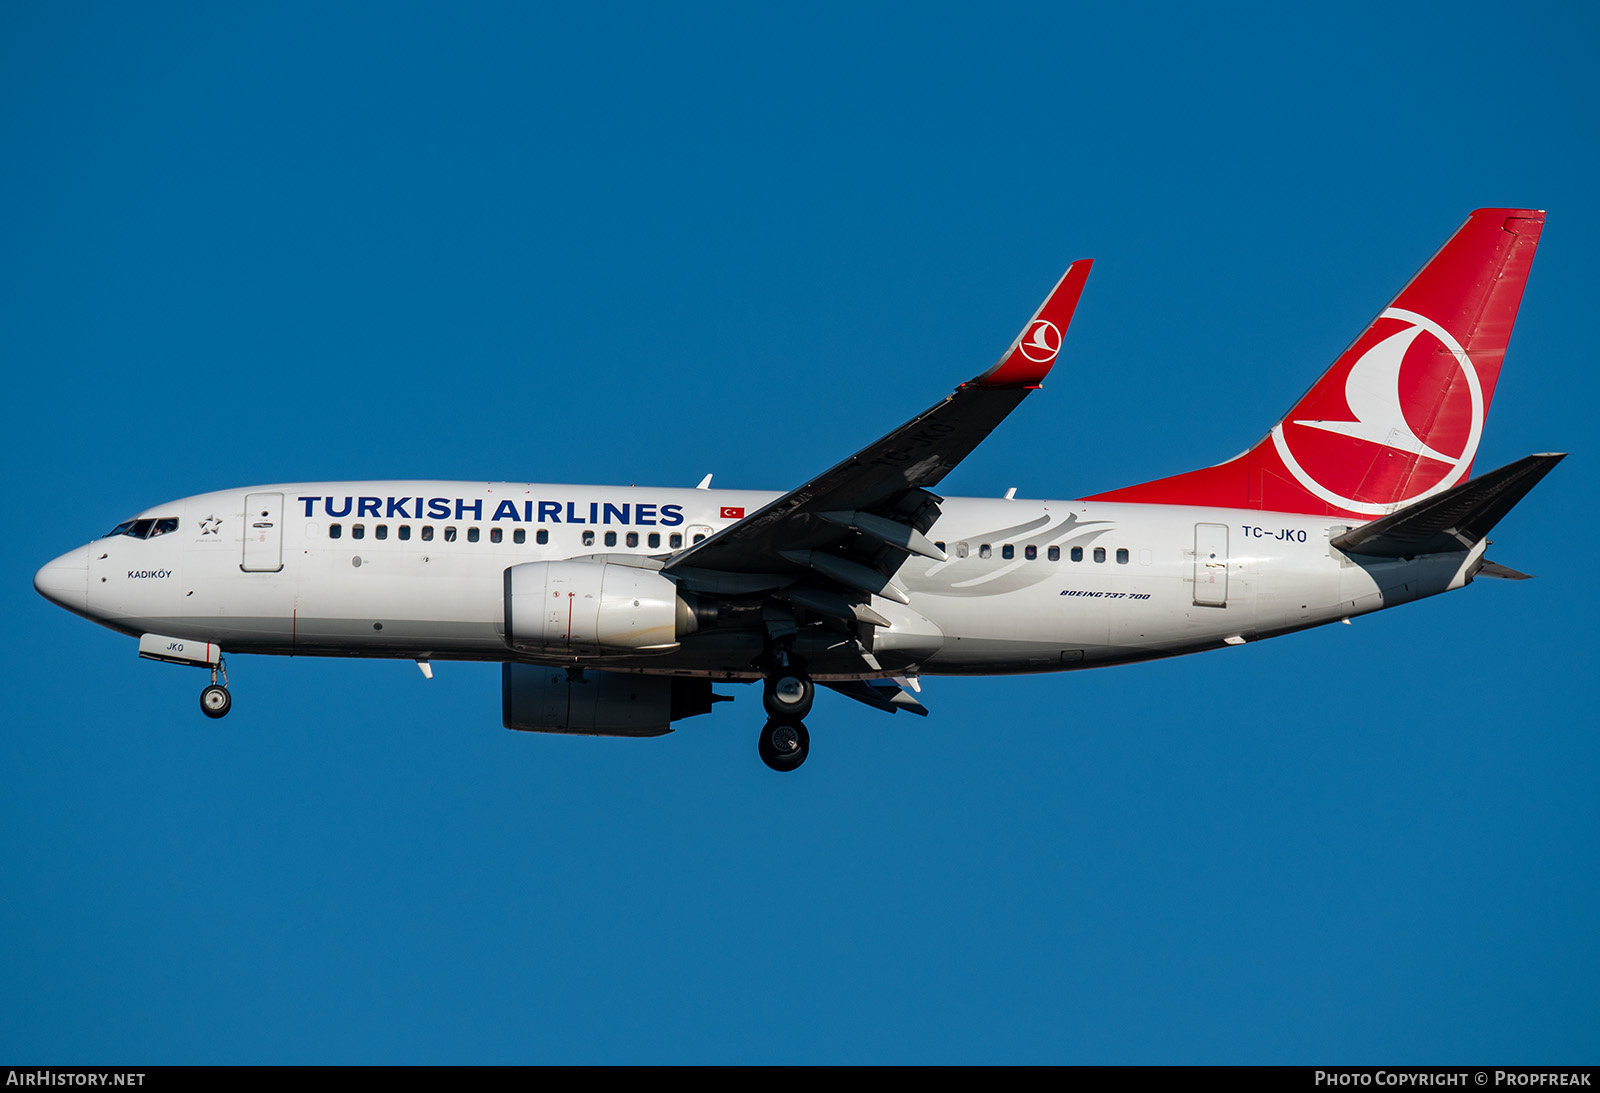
point(65, 581)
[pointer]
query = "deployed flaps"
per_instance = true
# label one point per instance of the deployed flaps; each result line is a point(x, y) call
point(847, 572)
point(888, 531)
point(880, 694)
point(833, 605)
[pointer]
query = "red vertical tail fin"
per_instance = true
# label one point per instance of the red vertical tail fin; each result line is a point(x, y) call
point(1400, 413)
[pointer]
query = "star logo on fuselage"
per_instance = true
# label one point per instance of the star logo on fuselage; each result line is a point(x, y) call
point(210, 526)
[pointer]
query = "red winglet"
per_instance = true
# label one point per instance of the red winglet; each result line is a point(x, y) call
point(1029, 359)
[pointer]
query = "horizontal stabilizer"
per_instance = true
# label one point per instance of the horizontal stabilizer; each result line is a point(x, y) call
point(1455, 520)
point(879, 694)
point(1502, 573)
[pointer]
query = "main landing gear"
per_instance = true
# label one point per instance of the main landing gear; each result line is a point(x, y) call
point(787, 695)
point(215, 701)
point(783, 744)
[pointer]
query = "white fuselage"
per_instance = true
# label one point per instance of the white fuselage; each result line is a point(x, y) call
point(416, 570)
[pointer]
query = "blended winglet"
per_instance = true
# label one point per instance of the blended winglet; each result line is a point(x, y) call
point(1034, 351)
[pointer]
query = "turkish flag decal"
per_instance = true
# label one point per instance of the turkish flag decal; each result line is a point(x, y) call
point(731, 512)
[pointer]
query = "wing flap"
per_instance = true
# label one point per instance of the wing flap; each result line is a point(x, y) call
point(879, 694)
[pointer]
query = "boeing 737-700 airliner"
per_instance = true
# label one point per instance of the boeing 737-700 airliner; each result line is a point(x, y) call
point(613, 611)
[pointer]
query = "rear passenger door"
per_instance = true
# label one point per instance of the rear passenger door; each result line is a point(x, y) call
point(1211, 565)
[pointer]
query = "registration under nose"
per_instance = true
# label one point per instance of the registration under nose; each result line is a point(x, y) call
point(65, 581)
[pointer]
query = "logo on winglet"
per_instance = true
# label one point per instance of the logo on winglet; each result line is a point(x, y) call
point(1041, 341)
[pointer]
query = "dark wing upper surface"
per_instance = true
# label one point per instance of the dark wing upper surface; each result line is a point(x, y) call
point(855, 523)
point(1454, 520)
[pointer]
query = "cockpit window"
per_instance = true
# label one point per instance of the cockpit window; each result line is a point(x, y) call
point(145, 529)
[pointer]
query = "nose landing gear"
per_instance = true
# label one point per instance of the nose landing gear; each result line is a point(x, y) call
point(215, 701)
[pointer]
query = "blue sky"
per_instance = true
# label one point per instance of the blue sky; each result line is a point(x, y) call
point(637, 244)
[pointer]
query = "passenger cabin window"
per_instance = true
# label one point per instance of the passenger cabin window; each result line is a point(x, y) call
point(543, 537)
point(404, 532)
point(632, 539)
point(961, 549)
point(518, 535)
point(1099, 554)
point(472, 535)
point(1031, 552)
point(654, 540)
point(588, 538)
point(449, 535)
point(611, 538)
point(335, 530)
point(1008, 552)
point(698, 537)
point(358, 531)
point(427, 533)
point(1054, 554)
point(1122, 555)
point(495, 535)
point(675, 540)
point(1077, 554)
point(381, 531)
point(984, 550)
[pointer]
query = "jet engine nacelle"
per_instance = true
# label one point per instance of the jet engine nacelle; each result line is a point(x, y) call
point(592, 608)
point(591, 703)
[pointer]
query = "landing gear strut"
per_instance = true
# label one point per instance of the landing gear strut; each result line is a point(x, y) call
point(783, 744)
point(787, 695)
point(215, 701)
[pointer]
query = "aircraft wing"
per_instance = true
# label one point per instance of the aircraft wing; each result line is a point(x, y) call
point(855, 523)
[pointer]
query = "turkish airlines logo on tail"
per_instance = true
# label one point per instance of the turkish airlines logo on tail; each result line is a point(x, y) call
point(1041, 341)
point(1375, 395)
